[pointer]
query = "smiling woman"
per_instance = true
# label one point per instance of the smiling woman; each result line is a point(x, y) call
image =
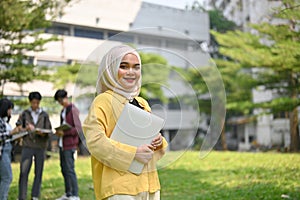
point(119, 83)
point(129, 71)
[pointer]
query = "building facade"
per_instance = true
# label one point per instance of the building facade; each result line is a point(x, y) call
point(87, 25)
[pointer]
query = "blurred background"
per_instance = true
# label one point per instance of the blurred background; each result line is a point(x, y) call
point(48, 45)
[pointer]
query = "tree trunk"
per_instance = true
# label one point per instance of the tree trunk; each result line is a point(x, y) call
point(21, 89)
point(223, 139)
point(2, 90)
point(294, 130)
point(294, 147)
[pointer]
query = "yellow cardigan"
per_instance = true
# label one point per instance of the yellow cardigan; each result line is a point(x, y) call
point(111, 159)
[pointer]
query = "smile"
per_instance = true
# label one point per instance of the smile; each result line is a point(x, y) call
point(129, 79)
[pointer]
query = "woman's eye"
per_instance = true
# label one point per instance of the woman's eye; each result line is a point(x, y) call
point(123, 67)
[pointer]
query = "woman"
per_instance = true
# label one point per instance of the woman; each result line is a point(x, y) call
point(119, 82)
point(6, 131)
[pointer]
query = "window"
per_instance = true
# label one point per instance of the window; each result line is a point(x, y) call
point(87, 33)
point(49, 63)
point(58, 30)
point(120, 37)
point(153, 102)
point(149, 41)
point(174, 104)
point(176, 44)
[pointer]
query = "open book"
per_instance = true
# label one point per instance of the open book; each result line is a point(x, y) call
point(16, 136)
point(63, 127)
point(136, 127)
point(43, 130)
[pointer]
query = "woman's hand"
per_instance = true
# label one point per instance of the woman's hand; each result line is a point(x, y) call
point(144, 153)
point(157, 141)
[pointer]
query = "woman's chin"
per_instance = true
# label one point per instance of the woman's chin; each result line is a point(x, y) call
point(128, 85)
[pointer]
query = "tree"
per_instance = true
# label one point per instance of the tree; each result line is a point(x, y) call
point(272, 55)
point(219, 23)
point(22, 24)
point(66, 74)
point(155, 74)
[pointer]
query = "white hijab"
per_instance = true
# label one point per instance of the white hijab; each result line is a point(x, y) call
point(108, 72)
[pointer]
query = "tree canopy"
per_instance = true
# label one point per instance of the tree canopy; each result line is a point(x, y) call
point(269, 61)
point(22, 24)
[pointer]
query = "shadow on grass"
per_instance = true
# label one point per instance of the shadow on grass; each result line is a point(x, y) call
point(241, 184)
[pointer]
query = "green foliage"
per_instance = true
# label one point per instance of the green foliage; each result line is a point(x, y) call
point(155, 74)
point(219, 23)
point(268, 60)
point(65, 74)
point(22, 24)
point(88, 74)
point(273, 59)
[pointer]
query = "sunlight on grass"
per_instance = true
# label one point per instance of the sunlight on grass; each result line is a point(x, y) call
point(184, 176)
point(232, 175)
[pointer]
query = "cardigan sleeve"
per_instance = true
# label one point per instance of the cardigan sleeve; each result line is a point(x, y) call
point(111, 153)
point(72, 118)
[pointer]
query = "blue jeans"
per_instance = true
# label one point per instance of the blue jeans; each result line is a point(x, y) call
point(68, 171)
point(26, 162)
point(5, 171)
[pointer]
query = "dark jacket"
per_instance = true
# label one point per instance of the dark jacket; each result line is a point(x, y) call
point(34, 140)
point(71, 136)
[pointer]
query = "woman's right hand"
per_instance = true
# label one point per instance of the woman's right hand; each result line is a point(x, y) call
point(144, 153)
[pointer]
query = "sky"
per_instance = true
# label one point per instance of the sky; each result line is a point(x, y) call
point(172, 3)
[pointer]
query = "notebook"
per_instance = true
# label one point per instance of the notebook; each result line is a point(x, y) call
point(63, 127)
point(136, 127)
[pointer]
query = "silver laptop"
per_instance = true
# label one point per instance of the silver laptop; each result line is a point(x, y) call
point(136, 127)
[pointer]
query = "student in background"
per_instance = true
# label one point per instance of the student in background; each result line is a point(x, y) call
point(68, 143)
point(119, 82)
point(34, 146)
point(6, 131)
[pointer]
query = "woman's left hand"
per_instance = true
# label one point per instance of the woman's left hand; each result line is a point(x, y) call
point(157, 141)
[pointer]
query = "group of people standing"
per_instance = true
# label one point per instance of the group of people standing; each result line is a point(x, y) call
point(36, 122)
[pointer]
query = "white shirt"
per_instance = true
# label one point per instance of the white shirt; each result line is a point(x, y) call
point(35, 114)
point(63, 115)
point(8, 126)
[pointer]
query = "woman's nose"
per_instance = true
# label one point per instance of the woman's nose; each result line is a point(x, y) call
point(130, 70)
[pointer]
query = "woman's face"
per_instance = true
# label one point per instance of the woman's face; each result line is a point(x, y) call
point(129, 71)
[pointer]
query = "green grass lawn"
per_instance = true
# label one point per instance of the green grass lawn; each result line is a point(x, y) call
point(184, 176)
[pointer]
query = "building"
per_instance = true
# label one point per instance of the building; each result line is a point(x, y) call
point(89, 27)
point(243, 12)
point(268, 130)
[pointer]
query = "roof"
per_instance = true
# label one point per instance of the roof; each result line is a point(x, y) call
point(107, 14)
point(193, 24)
